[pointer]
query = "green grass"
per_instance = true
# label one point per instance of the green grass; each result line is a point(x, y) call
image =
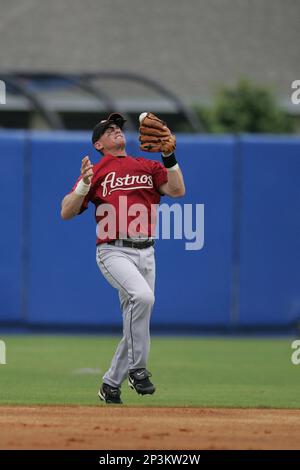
point(187, 371)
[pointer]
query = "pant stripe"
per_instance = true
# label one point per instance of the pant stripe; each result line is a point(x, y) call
point(133, 360)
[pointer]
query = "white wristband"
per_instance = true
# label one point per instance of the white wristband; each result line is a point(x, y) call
point(174, 168)
point(82, 188)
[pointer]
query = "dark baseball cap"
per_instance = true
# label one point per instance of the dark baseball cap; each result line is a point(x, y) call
point(100, 128)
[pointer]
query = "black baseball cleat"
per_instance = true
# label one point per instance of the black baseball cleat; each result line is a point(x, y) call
point(139, 381)
point(110, 394)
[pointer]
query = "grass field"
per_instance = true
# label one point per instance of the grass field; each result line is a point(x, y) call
point(189, 371)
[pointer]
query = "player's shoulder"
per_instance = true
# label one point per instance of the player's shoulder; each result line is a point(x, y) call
point(97, 165)
point(147, 161)
point(151, 164)
point(141, 159)
point(99, 169)
point(101, 164)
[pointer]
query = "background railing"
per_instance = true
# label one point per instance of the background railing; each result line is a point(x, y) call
point(35, 86)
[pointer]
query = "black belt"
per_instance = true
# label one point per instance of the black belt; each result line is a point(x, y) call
point(131, 244)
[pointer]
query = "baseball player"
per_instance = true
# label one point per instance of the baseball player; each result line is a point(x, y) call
point(126, 257)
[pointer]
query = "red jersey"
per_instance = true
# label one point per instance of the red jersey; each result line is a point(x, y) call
point(125, 181)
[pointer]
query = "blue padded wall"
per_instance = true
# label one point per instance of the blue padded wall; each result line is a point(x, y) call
point(246, 274)
point(13, 156)
point(269, 230)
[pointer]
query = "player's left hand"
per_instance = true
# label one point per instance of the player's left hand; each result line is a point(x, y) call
point(155, 136)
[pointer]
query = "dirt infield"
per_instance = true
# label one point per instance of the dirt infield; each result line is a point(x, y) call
point(79, 427)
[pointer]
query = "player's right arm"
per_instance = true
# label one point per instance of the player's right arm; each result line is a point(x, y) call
point(71, 203)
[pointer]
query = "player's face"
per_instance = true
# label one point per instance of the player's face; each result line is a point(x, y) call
point(112, 138)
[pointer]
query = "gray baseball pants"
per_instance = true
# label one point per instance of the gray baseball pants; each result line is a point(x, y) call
point(132, 272)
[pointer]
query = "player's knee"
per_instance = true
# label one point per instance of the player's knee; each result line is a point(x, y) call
point(145, 297)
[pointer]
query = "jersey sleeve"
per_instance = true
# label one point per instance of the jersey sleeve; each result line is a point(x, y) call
point(86, 200)
point(159, 174)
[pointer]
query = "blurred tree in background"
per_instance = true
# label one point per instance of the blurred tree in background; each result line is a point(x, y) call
point(245, 108)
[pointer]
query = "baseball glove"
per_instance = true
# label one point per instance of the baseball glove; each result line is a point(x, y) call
point(155, 136)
